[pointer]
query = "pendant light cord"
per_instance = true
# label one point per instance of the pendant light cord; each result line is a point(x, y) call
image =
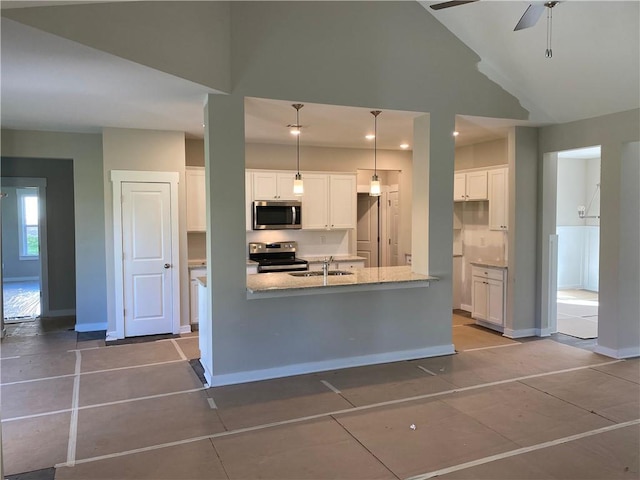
point(298, 139)
point(549, 52)
point(375, 144)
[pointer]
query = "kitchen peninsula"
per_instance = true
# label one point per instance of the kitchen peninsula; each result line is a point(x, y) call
point(360, 279)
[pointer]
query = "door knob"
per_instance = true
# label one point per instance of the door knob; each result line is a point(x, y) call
point(167, 265)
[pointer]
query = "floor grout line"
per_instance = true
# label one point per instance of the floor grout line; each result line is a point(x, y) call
point(426, 370)
point(365, 447)
point(488, 348)
point(9, 358)
point(73, 423)
point(339, 412)
point(330, 387)
point(520, 451)
point(180, 352)
point(105, 404)
point(212, 403)
point(106, 370)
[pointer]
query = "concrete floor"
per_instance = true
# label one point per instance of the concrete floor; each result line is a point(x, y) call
point(499, 409)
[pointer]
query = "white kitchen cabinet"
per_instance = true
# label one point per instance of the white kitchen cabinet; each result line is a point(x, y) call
point(351, 265)
point(252, 269)
point(269, 185)
point(248, 195)
point(338, 265)
point(470, 186)
point(499, 199)
point(488, 296)
point(193, 293)
point(329, 201)
point(196, 199)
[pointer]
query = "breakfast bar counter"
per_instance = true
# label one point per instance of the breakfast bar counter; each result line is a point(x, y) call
point(268, 285)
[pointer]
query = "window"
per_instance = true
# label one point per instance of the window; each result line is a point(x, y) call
point(28, 214)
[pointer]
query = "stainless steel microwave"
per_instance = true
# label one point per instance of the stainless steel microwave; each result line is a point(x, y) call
point(270, 215)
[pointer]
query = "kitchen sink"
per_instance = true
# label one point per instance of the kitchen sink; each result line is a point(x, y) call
point(319, 273)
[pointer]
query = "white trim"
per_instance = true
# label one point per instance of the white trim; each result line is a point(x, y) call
point(628, 352)
point(543, 332)
point(111, 336)
point(310, 367)
point(20, 279)
point(91, 327)
point(525, 332)
point(466, 308)
point(117, 178)
point(184, 329)
point(490, 325)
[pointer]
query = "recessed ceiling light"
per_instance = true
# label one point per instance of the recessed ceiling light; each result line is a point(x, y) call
point(456, 133)
point(370, 136)
point(404, 146)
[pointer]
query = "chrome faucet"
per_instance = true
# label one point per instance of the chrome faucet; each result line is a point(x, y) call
point(325, 265)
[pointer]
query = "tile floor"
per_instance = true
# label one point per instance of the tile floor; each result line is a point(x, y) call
point(498, 409)
point(577, 313)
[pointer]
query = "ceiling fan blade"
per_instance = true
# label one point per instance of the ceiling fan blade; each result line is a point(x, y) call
point(440, 6)
point(530, 17)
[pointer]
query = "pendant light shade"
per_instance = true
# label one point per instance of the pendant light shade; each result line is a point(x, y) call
point(298, 187)
point(374, 187)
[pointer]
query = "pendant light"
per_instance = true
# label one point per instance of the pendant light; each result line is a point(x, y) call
point(298, 188)
point(374, 187)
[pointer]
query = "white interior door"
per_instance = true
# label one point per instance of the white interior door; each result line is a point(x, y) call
point(147, 258)
point(394, 230)
point(368, 229)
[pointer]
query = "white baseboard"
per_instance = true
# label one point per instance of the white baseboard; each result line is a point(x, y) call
point(543, 332)
point(20, 279)
point(91, 327)
point(466, 308)
point(60, 313)
point(525, 332)
point(311, 367)
point(185, 329)
point(629, 352)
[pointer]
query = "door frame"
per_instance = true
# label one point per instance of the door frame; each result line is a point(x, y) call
point(118, 177)
point(41, 184)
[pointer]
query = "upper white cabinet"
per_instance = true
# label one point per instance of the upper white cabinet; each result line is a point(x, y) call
point(499, 199)
point(329, 201)
point(470, 186)
point(273, 186)
point(196, 199)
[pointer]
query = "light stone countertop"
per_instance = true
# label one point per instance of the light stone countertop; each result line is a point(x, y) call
point(284, 284)
point(336, 258)
point(197, 263)
point(489, 263)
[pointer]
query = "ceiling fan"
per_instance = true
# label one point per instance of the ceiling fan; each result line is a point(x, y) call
point(530, 17)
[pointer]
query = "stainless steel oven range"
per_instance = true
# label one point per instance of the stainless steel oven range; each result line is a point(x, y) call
point(277, 257)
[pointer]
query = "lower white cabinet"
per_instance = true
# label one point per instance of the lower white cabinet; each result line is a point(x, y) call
point(193, 293)
point(488, 295)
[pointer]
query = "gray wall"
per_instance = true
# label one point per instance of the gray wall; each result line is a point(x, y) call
point(88, 233)
point(144, 150)
point(619, 283)
point(60, 224)
point(250, 335)
point(483, 154)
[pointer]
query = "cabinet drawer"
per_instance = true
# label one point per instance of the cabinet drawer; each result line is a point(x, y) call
point(487, 272)
point(350, 265)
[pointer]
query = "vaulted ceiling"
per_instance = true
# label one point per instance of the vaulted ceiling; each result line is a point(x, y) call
point(595, 70)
